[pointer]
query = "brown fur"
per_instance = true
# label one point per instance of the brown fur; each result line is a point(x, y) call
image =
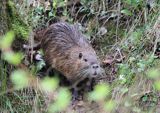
point(67, 50)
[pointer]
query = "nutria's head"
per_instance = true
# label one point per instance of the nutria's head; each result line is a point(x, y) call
point(87, 64)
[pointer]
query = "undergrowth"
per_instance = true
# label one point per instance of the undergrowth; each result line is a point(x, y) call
point(125, 34)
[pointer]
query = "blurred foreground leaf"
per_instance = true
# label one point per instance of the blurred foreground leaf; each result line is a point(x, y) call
point(100, 92)
point(153, 73)
point(109, 106)
point(6, 41)
point(12, 58)
point(19, 79)
point(62, 101)
point(49, 84)
point(157, 85)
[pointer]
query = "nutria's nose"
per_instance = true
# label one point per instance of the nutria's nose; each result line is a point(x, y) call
point(95, 66)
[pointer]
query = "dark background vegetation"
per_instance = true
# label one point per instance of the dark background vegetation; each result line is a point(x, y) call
point(125, 35)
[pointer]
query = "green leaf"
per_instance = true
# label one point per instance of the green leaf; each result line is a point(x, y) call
point(40, 65)
point(12, 58)
point(157, 85)
point(19, 79)
point(141, 66)
point(50, 14)
point(153, 73)
point(63, 98)
point(109, 105)
point(135, 36)
point(126, 12)
point(49, 84)
point(62, 101)
point(7, 40)
point(100, 92)
point(61, 4)
point(54, 4)
point(145, 98)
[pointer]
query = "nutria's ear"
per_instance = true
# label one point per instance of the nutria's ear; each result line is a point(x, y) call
point(80, 55)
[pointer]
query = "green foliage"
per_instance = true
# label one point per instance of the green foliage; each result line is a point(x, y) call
point(12, 58)
point(49, 84)
point(19, 79)
point(153, 73)
point(20, 29)
point(134, 3)
point(40, 65)
point(17, 24)
point(100, 92)
point(130, 27)
point(61, 102)
point(126, 74)
point(6, 41)
point(109, 106)
point(126, 12)
point(157, 85)
point(59, 3)
point(136, 36)
point(142, 64)
point(8, 55)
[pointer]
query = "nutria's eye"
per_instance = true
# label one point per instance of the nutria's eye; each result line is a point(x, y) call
point(85, 60)
point(80, 55)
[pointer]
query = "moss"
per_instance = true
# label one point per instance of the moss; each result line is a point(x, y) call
point(20, 29)
point(16, 23)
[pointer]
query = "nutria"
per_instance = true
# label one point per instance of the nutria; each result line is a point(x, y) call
point(67, 50)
